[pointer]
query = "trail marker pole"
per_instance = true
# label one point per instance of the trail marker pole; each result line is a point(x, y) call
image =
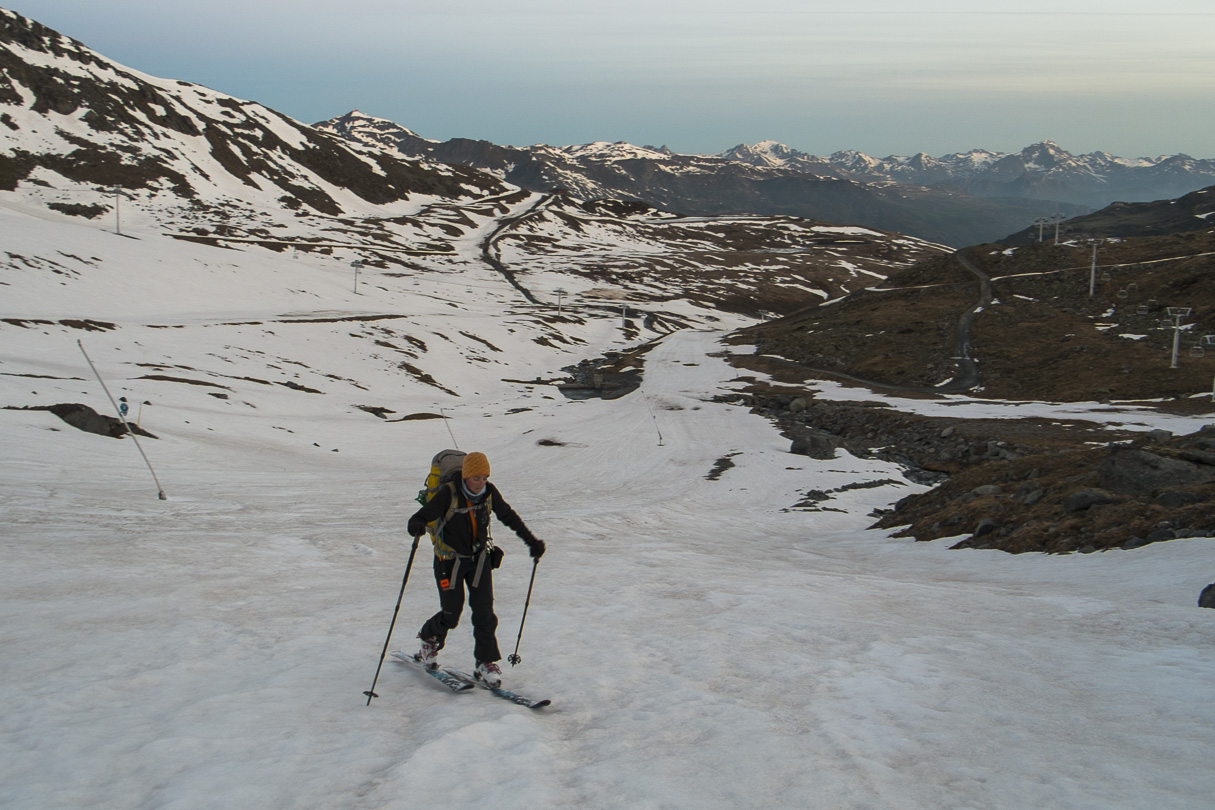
point(123, 416)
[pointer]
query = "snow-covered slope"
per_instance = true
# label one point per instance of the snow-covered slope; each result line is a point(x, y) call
point(705, 641)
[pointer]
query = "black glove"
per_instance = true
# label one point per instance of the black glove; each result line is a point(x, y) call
point(536, 547)
point(416, 527)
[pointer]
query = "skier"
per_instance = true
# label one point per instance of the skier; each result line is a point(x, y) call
point(466, 557)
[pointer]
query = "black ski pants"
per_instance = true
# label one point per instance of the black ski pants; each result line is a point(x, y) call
point(451, 604)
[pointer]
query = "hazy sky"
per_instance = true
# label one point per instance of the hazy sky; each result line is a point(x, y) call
point(885, 77)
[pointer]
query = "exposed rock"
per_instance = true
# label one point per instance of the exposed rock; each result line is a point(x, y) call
point(815, 444)
point(85, 418)
point(1198, 457)
point(1032, 497)
point(1086, 499)
point(1175, 498)
point(1025, 485)
point(1207, 598)
point(1054, 501)
point(1131, 471)
point(986, 526)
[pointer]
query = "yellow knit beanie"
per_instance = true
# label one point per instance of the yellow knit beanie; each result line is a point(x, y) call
point(475, 464)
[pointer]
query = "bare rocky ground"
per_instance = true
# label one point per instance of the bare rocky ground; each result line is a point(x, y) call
point(1054, 486)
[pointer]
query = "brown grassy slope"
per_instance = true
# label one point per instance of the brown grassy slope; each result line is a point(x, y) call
point(1042, 338)
point(903, 337)
point(1047, 338)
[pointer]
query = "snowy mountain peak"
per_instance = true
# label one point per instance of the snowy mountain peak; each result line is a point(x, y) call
point(1040, 170)
point(614, 150)
point(772, 154)
point(356, 126)
point(76, 121)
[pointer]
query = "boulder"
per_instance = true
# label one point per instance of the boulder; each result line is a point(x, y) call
point(986, 526)
point(1206, 599)
point(1176, 498)
point(815, 444)
point(1085, 499)
point(82, 417)
point(1198, 457)
point(1032, 497)
point(1140, 473)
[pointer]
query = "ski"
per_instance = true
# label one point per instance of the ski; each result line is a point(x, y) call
point(453, 683)
point(505, 694)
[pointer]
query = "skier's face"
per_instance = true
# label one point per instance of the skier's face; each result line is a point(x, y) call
point(476, 483)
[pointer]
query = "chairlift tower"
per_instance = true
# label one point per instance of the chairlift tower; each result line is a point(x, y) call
point(118, 195)
point(1057, 218)
point(1177, 314)
point(1041, 223)
point(1092, 278)
point(357, 264)
point(560, 294)
point(1210, 341)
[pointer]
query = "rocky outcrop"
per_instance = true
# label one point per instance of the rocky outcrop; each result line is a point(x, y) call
point(1017, 485)
point(82, 417)
point(930, 448)
point(1140, 473)
point(1121, 495)
point(1207, 598)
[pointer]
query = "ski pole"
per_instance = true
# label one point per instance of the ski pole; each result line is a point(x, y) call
point(370, 693)
point(514, 657)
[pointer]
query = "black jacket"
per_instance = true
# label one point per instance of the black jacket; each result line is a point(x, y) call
point(458, 532)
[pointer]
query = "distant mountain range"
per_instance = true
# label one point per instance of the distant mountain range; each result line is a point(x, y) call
point(959, 199)
point(69, 113)
point(1042, 171)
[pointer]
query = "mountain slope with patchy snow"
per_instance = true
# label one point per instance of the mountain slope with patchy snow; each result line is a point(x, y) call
point(705, 640)
point(710, 634)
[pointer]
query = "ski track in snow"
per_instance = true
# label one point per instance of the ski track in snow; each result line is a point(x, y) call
point(704, 645)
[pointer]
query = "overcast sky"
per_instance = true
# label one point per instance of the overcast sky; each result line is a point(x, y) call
point(700, 76)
